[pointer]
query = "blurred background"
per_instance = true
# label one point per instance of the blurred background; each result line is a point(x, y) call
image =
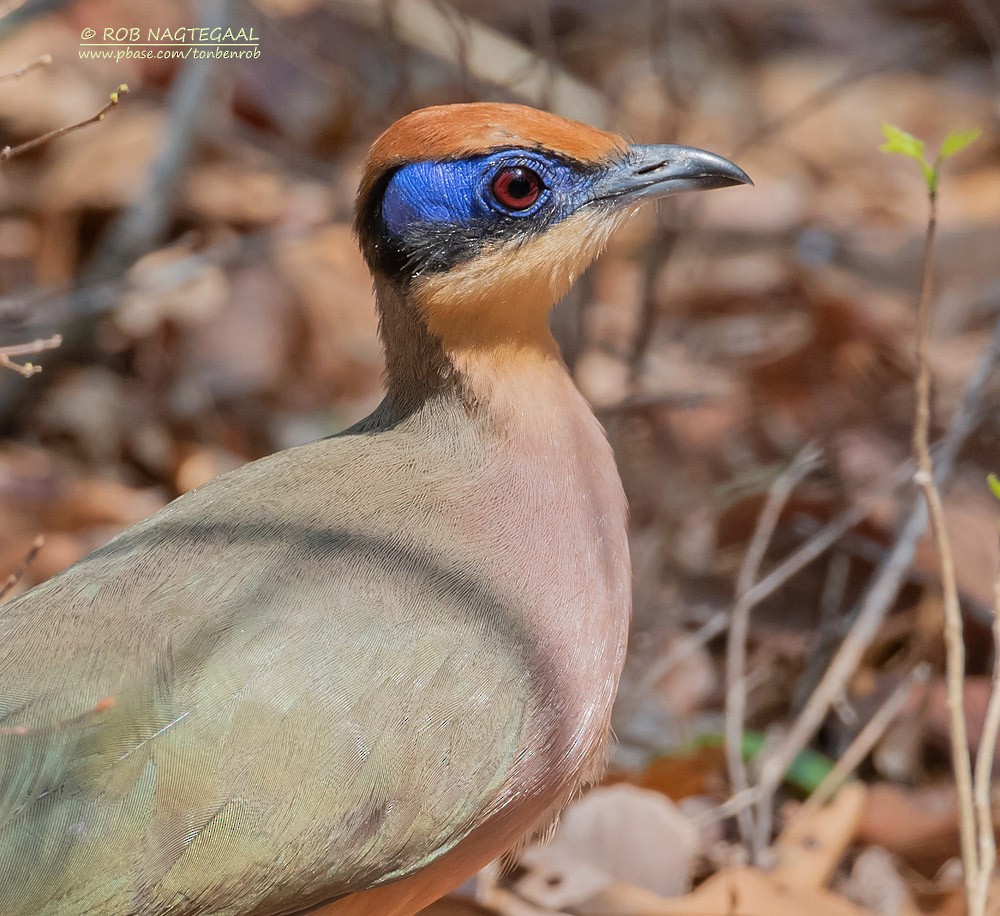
point(193, 250)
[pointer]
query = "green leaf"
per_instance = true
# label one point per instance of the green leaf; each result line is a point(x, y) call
point(994, 483)
point(957, 141)
point(899, 141)
point(806, 771)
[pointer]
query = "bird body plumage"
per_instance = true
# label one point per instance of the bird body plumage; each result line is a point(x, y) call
point(297, 725)
point(344, 677)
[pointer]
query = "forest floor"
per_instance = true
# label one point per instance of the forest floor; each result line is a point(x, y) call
point(751, 355)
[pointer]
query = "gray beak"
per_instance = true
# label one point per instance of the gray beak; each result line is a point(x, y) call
point(664, 169)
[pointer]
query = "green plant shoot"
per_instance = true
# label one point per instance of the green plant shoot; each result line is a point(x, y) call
point(905, 144)
point(994, 483)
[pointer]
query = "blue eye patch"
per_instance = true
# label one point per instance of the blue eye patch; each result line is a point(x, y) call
point(457, 194)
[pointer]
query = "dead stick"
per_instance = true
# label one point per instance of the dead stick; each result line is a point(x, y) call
point(22, 567)
point(18, 72)
point(864, 741)
point(9, 152)
point(879, 595)
point(983, 779)
point(795, 562)
point(10, 6)
point(36, 346)
point(736, 698)
point(954, 644)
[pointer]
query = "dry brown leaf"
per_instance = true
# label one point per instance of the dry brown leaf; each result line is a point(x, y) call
point(683, 775)
point(740, 892)
point(748, 892)
point(811, 846)
point(40, 495)
point(201, 465)
point(454, 906)
point(170, 284)
point(244, 347)
point(106, 167)
point(617, 834)
point(332, 282)
point(233, 192)
point(875, 884)
point(919, 825)
point(602, 377)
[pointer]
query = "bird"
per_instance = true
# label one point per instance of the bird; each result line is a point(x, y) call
point(343, 678)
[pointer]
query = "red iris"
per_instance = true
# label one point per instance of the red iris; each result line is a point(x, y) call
point(516, 187)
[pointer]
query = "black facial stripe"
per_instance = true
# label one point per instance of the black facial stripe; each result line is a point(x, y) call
point(430, 247)
point(427, 248)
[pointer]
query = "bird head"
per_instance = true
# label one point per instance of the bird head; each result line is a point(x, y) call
point(481, 216)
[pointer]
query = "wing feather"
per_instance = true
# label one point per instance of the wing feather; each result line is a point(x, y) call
point(257, 702)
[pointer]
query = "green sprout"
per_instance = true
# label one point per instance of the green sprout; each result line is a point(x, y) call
point(899, 141)
point(994, 483)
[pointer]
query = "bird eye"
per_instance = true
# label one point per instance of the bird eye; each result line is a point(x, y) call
point(516, 187)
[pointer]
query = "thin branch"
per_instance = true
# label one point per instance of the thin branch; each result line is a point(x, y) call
point(822, 540)
point(27, 349)
point(865, 740)
point(806, 461)
point(983, 780)
point(683, 648)
point(954, 644)
point(732, 806)
point(9, 152)
point(810, 550)
point(22, 567)
point(659, 250)
point(492, 56)
point(857, 72)
point(878, 597)
point(18, 72)
point(988, 23)
point(829, 626)
point(10, 6)
point(139, 228)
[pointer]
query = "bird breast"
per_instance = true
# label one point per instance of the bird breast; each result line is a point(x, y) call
point(557, 516)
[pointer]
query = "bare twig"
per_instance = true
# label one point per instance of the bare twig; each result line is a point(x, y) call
point(96, 297)
point(659, 250)
point(683, 648)
point(27, 370)
point(492, 56)
point(18, 72)
point(544, 40)
point(731, 807)
point(794, 563)
point(10, 6)
point(865, 740)
point(857, 72)
point(829, 626)
point(988, 23)
point(983, 779)
point(22, 567)
point(672, 219)
point(140, 227)
point(879, 595)
point(9, 152)
point(806, 460)
point(954, 644)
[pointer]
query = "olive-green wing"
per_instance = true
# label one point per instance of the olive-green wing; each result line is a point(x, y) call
point(242, 706)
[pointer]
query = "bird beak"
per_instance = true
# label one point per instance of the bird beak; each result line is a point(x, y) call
point(664, 169)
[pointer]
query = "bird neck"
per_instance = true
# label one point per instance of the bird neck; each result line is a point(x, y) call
point(484, 360)
point(416, 366)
